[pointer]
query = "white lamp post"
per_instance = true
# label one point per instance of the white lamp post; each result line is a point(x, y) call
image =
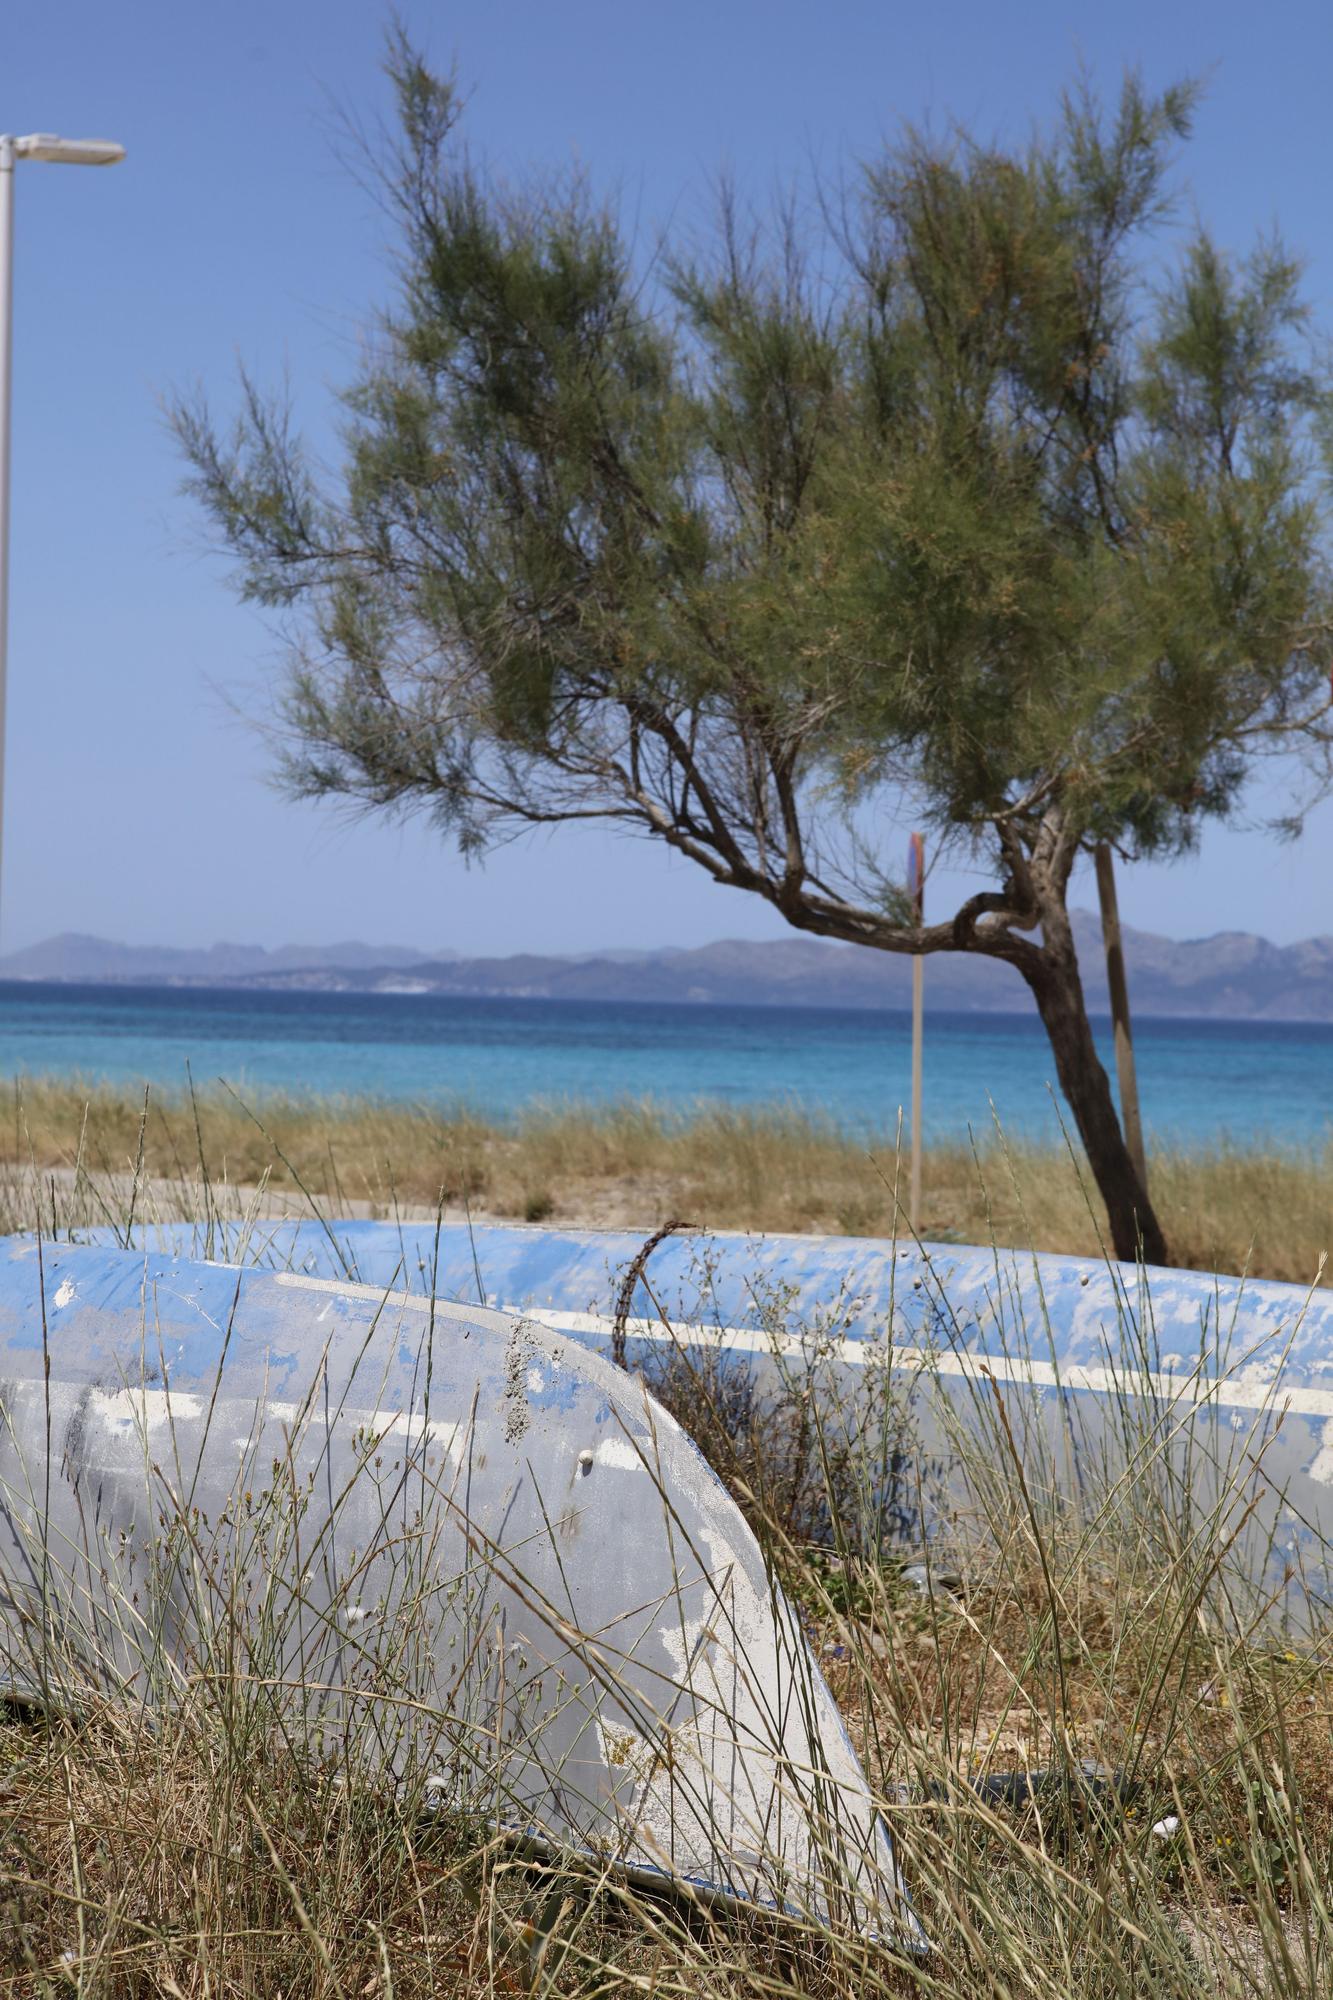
point(72, 152)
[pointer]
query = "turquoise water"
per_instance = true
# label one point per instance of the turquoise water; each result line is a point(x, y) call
point(1198, 1079)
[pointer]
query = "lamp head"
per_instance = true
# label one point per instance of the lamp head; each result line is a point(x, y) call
point(72, 152)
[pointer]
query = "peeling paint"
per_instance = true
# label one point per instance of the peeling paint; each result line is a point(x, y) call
point(1321, 1465)
point(616, 1452)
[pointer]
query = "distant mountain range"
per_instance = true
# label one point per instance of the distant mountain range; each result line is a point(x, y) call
point(98, 962)
point(1233, 975)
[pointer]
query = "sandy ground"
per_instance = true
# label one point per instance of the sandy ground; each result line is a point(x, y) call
point(629, 1203)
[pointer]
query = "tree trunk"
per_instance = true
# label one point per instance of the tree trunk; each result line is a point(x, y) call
point(1058, 990)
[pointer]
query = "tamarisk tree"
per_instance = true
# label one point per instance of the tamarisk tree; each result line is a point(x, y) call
point(984, 494)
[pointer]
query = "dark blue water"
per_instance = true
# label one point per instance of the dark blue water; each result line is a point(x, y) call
point(1198, 1079)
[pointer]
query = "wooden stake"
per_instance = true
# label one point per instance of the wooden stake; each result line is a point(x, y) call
point(918, 1026)
point(916, 889)
point(1118, 987)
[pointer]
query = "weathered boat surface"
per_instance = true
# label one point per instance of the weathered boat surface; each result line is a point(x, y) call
point(751, 1283)
point(469, 1539)
point(1244, 1365)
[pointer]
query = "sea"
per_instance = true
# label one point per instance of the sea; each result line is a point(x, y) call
point(1199, 1081)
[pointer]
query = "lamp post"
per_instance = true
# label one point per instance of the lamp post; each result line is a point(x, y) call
point(69, 152)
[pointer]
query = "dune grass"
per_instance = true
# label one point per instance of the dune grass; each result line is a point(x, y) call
point(1106, 1635)
point(1263, 1208)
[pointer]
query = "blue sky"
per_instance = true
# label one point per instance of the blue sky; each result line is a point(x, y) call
point(136, 800)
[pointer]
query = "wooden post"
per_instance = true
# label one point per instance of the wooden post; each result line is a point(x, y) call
point(916, 889)
point(918, 1026)
point(1119, 992)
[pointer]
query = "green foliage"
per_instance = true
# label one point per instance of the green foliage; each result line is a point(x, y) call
point(726, 550)
point(977, 499)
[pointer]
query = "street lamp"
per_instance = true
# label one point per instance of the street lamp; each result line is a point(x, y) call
point(70, 152)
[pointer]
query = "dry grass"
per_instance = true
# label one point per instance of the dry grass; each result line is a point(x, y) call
point(140, 1863)
point(1224, 1208)
point(209, 1849)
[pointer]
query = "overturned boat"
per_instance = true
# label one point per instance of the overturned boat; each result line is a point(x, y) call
point(454, 1541)
point(1227, 1383)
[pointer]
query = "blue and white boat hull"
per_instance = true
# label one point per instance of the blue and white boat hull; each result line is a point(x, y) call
point(452, 1541)
point(1232, 1378)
